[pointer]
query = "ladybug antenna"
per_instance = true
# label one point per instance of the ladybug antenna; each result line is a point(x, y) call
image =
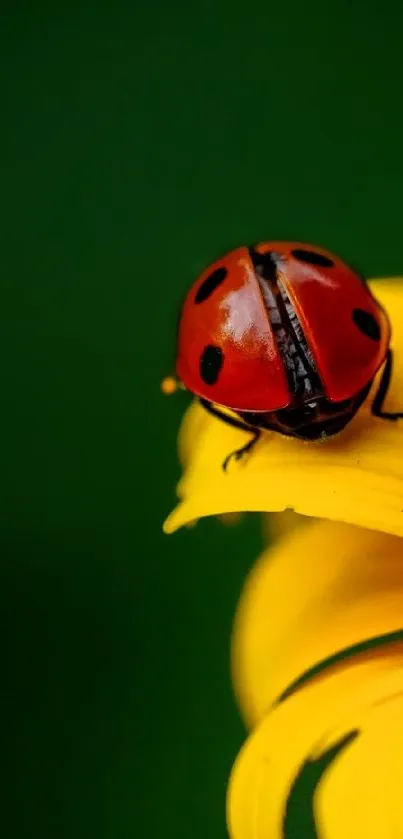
point(170, 385)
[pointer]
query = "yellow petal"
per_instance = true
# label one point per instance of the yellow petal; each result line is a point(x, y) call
point(277, 525)
point(324, 588)
point(327, 756)
point(230, 519)
point(355, 477)
point(334, 748)
point(190, 430)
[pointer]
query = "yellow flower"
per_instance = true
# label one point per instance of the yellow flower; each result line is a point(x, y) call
point(318, 670)
point(317, 654)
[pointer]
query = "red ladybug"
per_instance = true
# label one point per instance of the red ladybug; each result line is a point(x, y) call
point(288, 337)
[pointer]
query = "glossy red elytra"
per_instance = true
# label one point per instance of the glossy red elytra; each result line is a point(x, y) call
point(288, 337)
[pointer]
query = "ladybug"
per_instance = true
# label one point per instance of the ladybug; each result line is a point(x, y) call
point(286, 336)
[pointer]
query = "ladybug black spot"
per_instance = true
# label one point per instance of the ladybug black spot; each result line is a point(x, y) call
point(210, 284)
point(211, 361)
point(367, 324)
point(313, 258)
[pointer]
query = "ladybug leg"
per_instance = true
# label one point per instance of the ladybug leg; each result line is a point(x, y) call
point(238, 453)
point(380, 396)
point(235, 423)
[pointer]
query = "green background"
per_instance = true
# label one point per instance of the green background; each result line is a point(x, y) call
point(139, 141)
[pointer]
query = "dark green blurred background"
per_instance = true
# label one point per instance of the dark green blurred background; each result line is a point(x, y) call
point(139, 141)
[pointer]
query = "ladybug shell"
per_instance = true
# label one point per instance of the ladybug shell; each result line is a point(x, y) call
point(227, 351)
point(226, 348)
